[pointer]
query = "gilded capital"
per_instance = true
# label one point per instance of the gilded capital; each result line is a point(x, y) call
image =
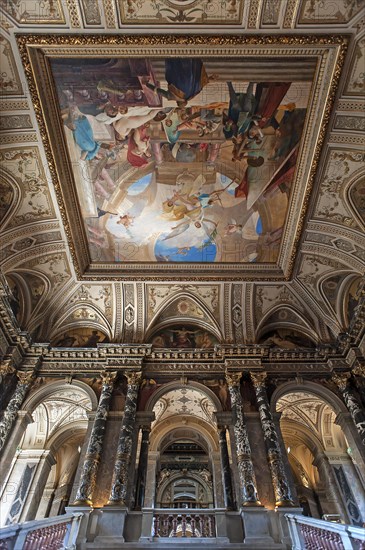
point(6, 367)
point(258, 378)
point(108, 377)
point(133, 378)
point(359, 369)
point(233, 378)
point(25, 377)
point(341, 379)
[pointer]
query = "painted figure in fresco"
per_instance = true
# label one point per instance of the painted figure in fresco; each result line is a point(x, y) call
point(186, 77)
point(92, 340)
point(182, 339)
point(67, 341)
point(241, 111)
point(139, 147)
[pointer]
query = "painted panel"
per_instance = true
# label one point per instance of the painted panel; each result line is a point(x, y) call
point(180, 160)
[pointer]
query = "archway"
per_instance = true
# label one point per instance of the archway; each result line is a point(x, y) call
point(326, 474)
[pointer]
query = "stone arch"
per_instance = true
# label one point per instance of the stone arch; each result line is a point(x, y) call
point(207, 323)
point(344, 296)
point(351, 197)
point(309, 387)
point(178, 385)
point(8, 182)
point(37, 397)
point(63, 325)
point(339, 279)
point(197, 427)
point(26, 279)
point(269, 323)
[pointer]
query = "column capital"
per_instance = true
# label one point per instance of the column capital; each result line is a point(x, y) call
point(224, 419)
point(25, 377)
point(233, 378)
point(108, 377)
point(258, 379)
point(359, 368)
point(134, 378)
point(341, 379)
point(6, 367)
point(144, 419)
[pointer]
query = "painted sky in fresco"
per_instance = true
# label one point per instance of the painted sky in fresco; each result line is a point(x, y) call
point(180, 160)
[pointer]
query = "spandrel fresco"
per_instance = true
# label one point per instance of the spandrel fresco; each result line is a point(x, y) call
point(181, 159)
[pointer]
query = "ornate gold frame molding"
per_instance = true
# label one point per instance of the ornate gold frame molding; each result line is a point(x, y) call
point(36, 51)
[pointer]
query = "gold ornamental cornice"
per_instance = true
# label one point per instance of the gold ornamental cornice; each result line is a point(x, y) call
point(36, 51)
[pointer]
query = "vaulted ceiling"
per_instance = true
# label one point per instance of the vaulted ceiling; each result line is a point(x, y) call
point(318, 292)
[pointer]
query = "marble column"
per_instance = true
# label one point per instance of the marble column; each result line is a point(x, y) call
point(279, 478)
point(93, 453)
point(142, 468)
point(358, 372)
point(331, 500)
point(351, 402)
point(118, 492)
point(244, 461)
point(11, 411)
point(226, 469)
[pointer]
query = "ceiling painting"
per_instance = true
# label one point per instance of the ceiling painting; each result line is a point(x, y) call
point(183, 161)
point(166, 173)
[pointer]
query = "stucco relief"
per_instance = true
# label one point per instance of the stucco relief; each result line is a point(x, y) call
point(100, 296)
point(165, 12)
point(341, 165)
point(159, 294)
point(329, 11)
point(9, 79)
point(356, 83)
point(24, 164)
point(32, 12)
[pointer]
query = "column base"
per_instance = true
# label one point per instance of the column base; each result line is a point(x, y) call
point(111, 524)
point(285, 504)
point(256, 528)
point(283, 522)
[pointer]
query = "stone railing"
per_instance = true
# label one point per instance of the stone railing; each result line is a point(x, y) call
point(192, 523)
point(315, 534)
point(58, 533)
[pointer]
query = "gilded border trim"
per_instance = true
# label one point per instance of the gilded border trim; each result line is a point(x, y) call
point(34, 50)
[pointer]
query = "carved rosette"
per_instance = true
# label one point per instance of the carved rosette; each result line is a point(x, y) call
point(280, 483)
point(10, 414)
point(244, 460)
point(95, 445)
point(351, 402)
point(120, 477)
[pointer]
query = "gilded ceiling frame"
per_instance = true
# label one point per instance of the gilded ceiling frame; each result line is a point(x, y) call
point(35, 51)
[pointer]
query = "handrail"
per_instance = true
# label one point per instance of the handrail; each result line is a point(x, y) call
point(56, 533)
point(316, 534)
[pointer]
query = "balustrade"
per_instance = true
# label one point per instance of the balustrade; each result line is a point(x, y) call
point(58, 533)
point(183, 524)
point(314, 534)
